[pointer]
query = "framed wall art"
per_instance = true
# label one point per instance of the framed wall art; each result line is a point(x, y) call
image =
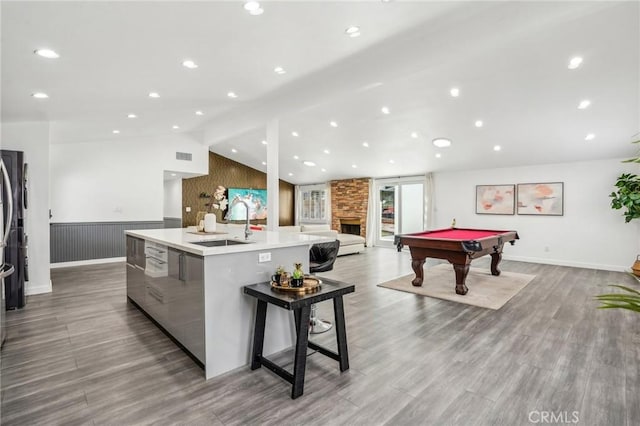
point(495, 199)
point(545, 199)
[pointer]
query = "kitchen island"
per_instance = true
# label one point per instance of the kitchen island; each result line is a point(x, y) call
point(191, 286)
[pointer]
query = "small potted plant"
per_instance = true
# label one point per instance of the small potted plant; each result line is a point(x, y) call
point(297, 277)
point(279, 272)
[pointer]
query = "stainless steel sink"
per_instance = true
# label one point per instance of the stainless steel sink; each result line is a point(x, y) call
point(221, 243)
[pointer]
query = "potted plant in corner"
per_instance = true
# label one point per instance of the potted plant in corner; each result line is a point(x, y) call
point(627, 197)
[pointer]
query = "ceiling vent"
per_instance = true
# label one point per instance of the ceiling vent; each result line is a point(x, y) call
point(186, 156)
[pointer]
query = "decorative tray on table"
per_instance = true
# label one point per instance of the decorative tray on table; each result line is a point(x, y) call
point(309, 285)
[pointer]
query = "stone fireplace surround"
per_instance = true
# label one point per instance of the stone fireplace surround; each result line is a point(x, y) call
point(349, 204)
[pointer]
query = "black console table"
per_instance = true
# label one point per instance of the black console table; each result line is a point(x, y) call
point(300, 304)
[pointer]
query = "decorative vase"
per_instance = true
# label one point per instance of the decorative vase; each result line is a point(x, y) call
point(200, 221)
point(636, 267)
point(210, 222)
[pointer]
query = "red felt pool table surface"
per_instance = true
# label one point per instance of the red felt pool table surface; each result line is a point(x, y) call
point(458, 234)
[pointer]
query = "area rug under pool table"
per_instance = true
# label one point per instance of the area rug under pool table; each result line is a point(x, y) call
point(485, 290)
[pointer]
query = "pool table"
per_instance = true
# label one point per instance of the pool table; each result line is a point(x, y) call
point(457, 245)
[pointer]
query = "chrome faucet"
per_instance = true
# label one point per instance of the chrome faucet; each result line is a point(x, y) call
point(247, 231)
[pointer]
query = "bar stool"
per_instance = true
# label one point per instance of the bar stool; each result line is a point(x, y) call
point(321, 259)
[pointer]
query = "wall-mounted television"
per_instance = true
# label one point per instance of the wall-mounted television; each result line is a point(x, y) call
point(255, 198)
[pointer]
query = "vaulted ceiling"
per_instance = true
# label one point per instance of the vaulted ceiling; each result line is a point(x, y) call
point(509, 61)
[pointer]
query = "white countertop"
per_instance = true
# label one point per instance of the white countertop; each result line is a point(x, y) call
point(182, 239)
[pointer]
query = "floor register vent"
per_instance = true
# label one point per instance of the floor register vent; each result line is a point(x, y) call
point(186, 156)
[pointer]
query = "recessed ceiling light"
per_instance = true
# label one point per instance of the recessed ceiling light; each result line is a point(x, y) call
point(46, 53)
point(575, 62)
point(189, 64)
point(295, 134)
point(309, 163)
point(40, 95)
point(354, 166)
point(385, 110)
point(264, 163)
point(590, 137)
point(154, 95)
point(234, 150)
point(199, 112)
point(479, 123)
point(115, 132)
point(175, 127)
point(333, 124)
point(414, 135)
point(438, 155)
point(132, 116)
point(326, 151)
point(442, 142)
point(264, 142)
point(253, 7)
point(290, 174)
point(232, 95)
point(497, 148)
point(352, 31)
point(279, 70)
point(173, 174)
point(391, 161)
point(295, 157)
point(584, 104)
point(365, 144)
point(323, 170)
point(455, 92)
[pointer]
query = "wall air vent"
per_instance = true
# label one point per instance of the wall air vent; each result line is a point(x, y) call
point(186, 156)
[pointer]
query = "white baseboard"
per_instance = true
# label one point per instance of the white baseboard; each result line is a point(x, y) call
point(87, 262)
point(615, 268)
point(32, 289)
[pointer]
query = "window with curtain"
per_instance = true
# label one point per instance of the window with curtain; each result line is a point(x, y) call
point(312, 205)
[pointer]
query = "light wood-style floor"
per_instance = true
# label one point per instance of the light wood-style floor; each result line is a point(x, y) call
point(82, 355)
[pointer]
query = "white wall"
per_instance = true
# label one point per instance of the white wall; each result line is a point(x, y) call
point(33, 139)
point(118, 180)
point(590, 234)
point(173, 198)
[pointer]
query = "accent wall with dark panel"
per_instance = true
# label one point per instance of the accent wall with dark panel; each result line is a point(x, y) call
point(231, 174)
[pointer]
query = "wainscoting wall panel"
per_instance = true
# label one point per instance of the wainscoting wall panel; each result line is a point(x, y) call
point(92, 240)
point(173, 222)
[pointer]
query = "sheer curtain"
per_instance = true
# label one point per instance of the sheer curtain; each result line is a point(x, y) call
point(371, 216)
point(429, 204)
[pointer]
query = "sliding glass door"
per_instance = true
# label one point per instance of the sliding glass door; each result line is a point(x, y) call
point(399, 208)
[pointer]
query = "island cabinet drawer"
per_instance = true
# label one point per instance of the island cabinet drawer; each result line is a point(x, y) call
point(135, 283)
point(186, 300)
point(156, 300)
point(136, 251)
point(155, 250)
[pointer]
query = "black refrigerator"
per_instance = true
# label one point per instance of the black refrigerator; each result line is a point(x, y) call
point(15, 250)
